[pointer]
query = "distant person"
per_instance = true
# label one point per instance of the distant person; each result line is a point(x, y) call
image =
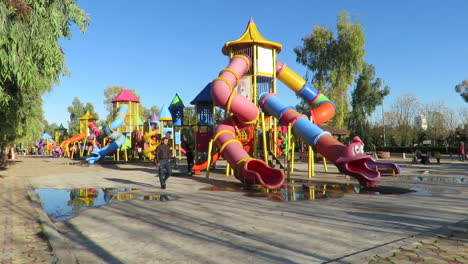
point(437, 156)
point(163, 162)
point(461, 151)
point(417, 155)
point(190, 159)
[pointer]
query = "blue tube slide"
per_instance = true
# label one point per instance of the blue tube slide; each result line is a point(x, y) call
point(302, 128)
point(111, 131)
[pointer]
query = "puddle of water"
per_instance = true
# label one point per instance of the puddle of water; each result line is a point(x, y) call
point(62, 205)
point(308, 190)
point(82, 164)
point(218, 189)
point(437, 179)
point(432, 191)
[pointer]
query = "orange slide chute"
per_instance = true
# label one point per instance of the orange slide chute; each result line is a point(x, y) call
point(197, 168)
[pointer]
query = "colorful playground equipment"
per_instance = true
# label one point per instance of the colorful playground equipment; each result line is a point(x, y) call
point(245, 113)
point(382, 167)
point(348, 159)
point(131, 122)
point(250, 79)
point(70, 147)
point(112, 132)
point(151, 141)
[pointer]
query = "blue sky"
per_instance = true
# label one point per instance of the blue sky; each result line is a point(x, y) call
point(159, 48)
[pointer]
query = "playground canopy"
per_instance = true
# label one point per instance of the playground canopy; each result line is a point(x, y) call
point(46, 136)
point(204, 96)
point(165, 114)
point(126, 96)
point(154, 118)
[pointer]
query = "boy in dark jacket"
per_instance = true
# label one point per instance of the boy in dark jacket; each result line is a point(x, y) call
point(163, 161)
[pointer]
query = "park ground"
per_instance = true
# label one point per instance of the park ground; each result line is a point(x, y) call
point(216, 220)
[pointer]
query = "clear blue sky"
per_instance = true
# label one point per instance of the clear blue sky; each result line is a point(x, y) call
point(159, 48)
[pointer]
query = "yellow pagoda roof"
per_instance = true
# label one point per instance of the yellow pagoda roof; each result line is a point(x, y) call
point(251, 36)
point(87, 116)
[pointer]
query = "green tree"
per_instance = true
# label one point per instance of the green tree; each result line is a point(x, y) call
point(441, 123)
point(462, 89)
point(399, 123)
point(31, 60)
point(146, 113)
point(77, 110)
point(302, 107)
point(190, 117)
point(49, 128)
point(364, 99)
point(334, 62)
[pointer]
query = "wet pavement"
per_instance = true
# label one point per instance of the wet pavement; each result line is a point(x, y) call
point(418, 236)
point(62, 205)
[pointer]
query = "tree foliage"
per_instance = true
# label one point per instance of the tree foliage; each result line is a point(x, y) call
point(406, 108)
point(364, 99)
point(77, 110)
point(110, 93)
point(147, 113)
point(463, 115)
point(441, 122)
point(31, 60)
point(50, 128)
point(190, 116)
point(334, 61)
point(462, 89)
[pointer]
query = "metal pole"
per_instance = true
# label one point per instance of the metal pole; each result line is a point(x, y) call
point(383, 123)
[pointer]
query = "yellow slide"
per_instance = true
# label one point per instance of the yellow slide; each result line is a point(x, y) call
point(153, 144)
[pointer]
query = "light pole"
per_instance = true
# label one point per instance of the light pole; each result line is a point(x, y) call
point(383, 122)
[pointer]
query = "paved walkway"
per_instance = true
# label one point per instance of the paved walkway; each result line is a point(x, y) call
point(22, 238)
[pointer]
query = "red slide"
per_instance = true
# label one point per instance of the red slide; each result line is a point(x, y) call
point(197, 168)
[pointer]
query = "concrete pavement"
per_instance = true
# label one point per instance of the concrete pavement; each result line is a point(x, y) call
point(229, 227)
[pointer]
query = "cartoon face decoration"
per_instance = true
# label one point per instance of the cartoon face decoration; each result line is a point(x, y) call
point(357, 145)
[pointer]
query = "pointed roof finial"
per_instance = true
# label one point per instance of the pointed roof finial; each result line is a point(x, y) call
point(251, 36)
point(177, 101)
point(87, 116)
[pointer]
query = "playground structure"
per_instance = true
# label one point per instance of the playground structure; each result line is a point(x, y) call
point(112, 132)
point(151, 141)
point(248, 139)
point(130, 128)
point(249, 81)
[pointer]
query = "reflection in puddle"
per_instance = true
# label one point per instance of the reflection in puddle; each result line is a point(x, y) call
point(308, 190)
point(62, 205)
point(435, 179)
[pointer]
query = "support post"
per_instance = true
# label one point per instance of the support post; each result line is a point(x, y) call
point(210, 148)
